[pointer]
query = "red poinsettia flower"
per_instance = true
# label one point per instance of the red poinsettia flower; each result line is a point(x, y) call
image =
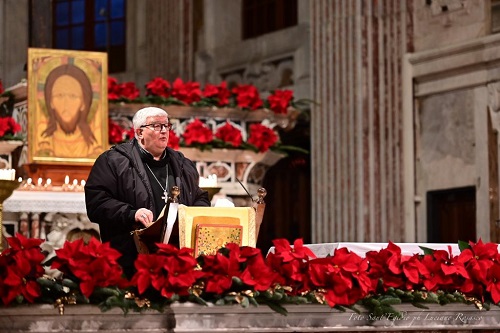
point(481, 259)
point(173, 140)
point(230, 134)
point(115, 132)
point(412, 269)
point(434, 277)
point(262, 137)
point(169, 271)
point(280, 100)
point(355, 267)
point(129, 90)
point(188, 92)
point(328, 276)
point(386, 265)
point(113, 89)
point(197, 132)
point(493, 284)
point(158, 87)
point(257, 274)
point(290, 263)
point(20, 266)
point(247, 97)
point(283, 249)
point(220, 92)
point(219, 271)
point(9, 127)
point(149, 272)
point(93, 264)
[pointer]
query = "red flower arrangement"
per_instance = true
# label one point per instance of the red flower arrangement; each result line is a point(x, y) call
point(169, 271)
point(262, 137)
point(247, 97)
point(196, 132)
point(119, 92)
point(20, 267)
point(173, 140)
point(118, 134)
point(158, 87)
point(92, 265)
point(279, 101)
point(218, 93)
point(244, 96)
point(160, 91)
point(230, 134)
point(188, 93)
point(9, 128)
point(243, 275)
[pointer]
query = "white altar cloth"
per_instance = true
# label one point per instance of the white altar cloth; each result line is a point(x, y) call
point(45, 202)
point(324, 249)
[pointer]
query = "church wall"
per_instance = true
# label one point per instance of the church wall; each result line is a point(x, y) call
point(356, 130)
point(13, 40)
point(440, 23)
point(454, 94)
point(266, 61)
point(446, 107)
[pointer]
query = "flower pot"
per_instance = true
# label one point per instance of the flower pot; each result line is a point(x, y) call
point(187, 112)
point(8, 146)
point(231, 165)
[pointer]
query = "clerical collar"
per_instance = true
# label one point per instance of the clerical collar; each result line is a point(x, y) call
point(148, 158)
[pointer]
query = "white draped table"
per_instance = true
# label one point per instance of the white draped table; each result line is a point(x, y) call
point(37, 213)
point(45, 202)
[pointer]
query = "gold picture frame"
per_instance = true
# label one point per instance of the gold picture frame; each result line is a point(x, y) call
point(67, 106)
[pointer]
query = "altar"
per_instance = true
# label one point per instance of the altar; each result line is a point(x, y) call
point(192, 318)
point(36, 213)
point(46, 202)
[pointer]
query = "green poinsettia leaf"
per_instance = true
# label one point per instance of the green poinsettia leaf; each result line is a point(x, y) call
point(427, 250)
point(462, 245)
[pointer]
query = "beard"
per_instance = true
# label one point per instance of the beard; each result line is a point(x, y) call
point(68, 126)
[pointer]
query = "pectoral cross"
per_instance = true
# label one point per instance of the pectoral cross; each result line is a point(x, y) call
point(165, 196)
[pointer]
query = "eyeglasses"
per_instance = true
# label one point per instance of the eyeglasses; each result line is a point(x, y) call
point(158, 127)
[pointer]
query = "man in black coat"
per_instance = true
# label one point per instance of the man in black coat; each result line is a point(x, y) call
point(128, 184)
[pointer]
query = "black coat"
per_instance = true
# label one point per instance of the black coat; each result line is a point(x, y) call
point(118, 186)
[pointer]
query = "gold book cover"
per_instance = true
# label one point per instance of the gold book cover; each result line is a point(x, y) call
point(212, 237)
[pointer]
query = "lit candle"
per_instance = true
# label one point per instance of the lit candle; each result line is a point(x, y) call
point(49, 181)
point(75, 182)
point(20, 179)
point(29, 181)
point(82, 183)
point(40, 181)
point(8, 174)
point(210, 181)
point(66, 180)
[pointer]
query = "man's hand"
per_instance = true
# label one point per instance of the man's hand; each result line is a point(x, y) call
point(144, 216)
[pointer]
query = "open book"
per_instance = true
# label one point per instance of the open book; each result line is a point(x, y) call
point(160, 230)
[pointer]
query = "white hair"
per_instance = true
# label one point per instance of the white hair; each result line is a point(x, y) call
point(141, 115)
